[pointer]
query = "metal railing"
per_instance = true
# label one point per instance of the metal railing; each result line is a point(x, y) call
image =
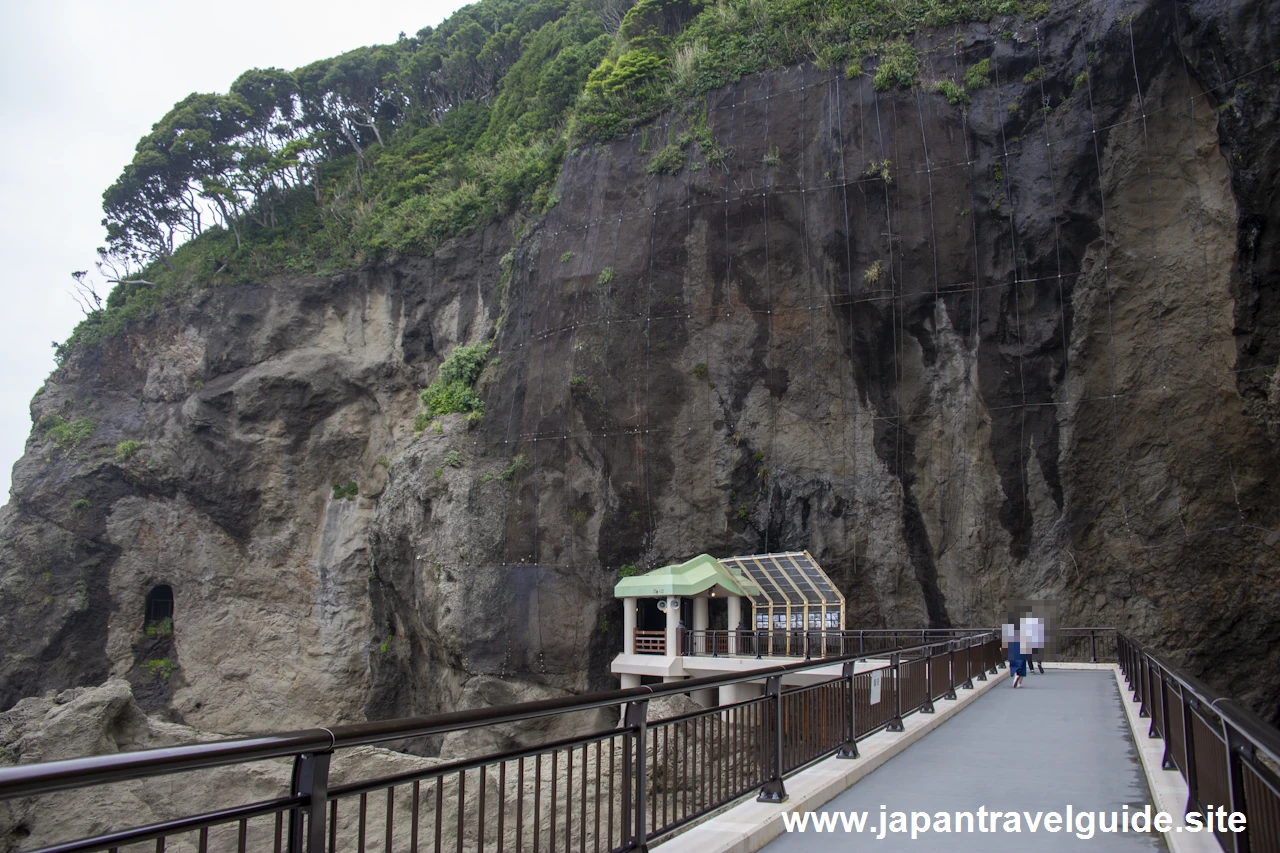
point(1083, 645)
point(1227, 755)
point(807, 644)
point(614, 790)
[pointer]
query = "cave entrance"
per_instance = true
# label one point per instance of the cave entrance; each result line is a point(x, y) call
point(159, 616)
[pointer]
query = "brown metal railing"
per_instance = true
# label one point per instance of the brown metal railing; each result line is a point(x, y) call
point(1226, 754)
point(798, 643)
point(612, 790)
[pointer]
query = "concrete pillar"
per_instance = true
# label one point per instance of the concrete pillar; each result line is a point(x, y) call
point(735, 618)
point(701, 619)
point(673, 626)
point(628, 681)
point(740, 692)
point(629, 631)
point(701, 614)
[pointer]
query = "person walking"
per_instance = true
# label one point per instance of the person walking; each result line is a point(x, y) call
point(1017, 660)
point(1032, 634)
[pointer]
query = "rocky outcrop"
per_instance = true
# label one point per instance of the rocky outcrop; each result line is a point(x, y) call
point(248, 404)
point(1018, 348)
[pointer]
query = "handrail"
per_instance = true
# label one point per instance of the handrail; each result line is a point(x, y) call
point(1212, 741)
point(769, 749)
point(1256, 729)
point(47, 777)
point(29, 779)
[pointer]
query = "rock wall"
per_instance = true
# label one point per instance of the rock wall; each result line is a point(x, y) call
point(249, 403)
point(1019, 348)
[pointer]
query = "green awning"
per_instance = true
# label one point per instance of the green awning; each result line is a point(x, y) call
point(685, 580)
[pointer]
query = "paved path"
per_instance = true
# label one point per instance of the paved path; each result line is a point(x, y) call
point(1060, 740)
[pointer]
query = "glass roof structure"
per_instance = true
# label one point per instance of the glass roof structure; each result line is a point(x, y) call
point(786, 579)
point(786, 591)
point(790, 586)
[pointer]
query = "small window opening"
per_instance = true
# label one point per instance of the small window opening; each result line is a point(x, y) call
point(160, 611)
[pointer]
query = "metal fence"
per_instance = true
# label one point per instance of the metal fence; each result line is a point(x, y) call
point(1227, 755)
point(614, 790)
point(1081, 645)
point(807, 644)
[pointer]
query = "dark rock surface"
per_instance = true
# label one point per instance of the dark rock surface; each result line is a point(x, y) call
point(1059, 385)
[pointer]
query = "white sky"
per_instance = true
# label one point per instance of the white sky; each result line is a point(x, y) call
point(80, 84)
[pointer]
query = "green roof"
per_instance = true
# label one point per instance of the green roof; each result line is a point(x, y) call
point(685, 579)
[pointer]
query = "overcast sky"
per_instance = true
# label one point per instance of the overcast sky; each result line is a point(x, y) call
point(80, 84)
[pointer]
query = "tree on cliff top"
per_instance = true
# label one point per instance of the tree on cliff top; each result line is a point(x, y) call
point(394, 148)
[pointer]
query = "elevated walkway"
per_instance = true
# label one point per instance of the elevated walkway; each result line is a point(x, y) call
point(936, 730)
point(1061, 740)
point(1070, 741)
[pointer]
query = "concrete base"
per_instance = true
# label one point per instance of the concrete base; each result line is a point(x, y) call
point(1168, 789)
point(749, 826)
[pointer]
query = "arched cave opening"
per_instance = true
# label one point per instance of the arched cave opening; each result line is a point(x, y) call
point(159, 616)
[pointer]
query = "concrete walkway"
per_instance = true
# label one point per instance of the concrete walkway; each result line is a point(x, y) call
point(1060, 740)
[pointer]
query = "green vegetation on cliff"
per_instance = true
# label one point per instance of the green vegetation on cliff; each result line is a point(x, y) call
point(395, 148)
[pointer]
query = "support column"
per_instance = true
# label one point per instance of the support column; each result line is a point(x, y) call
point(701, 620)
point(628, 680)
point(740, 692)
point(673, 626)
point(628, 630)
point(735, 619)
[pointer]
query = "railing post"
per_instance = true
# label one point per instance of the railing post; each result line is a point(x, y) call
point(849, 749)
point(968, 665)
point(982, 664)
point(1144, 679)
point(1093, 647)
point(1189, 751)
point(759, 642)
point(993, 648)
point(1136, 682)
point(773, 790)
point(808, 652)
point(1166, 761)
point(1236, 747)
point(1153, 731)
point(636, 767)
point(311, 780)
point(951, 670)
point(895, 663)
point(927, 707)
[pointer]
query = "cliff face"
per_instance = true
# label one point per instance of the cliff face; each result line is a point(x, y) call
point(248, 403)
point(1019, 348)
